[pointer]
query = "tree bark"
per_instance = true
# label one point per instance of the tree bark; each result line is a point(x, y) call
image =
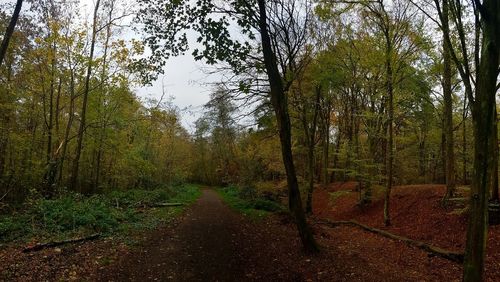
point(448, 111)
point(310, 150)
point(71, 116)
point(334, 176)
point(51, 163)
point(483, 114)
point(464, 144)
point(10, 30)
point(280, 106)
point(494, 181)
point(326, 142)
point(390, 128)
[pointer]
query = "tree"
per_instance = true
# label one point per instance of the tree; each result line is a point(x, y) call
point(486, 50)
point(275, 22)
point(10, 30)
point(86, 91)
point(306, 96)
point(400, 41)
point(220, 117)
point(484, 120)
point(448, 110)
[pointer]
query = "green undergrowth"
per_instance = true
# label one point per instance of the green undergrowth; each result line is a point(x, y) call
point(249, 203)
point(112, 213)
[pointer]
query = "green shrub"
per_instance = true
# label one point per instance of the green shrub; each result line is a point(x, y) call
point(74, 213)
point(137, 197)
point(266, 205)
point(13, 227)
point(256, 205)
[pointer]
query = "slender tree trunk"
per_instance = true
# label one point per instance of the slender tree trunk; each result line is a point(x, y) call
point(326, 144)
point(483, 113)
point(10, 30)
point(494, 182)
point(390, 128)
point(81, 130)
point(464, 144)
point(71, 116)
point(51, 163)
point(280, 106)
point(310, 151)
point(448, 112)
point(421, 156)
point(5, 117)
point(334, 176)
point(102, 113)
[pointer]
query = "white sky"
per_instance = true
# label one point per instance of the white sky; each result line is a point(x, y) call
point(183, 80)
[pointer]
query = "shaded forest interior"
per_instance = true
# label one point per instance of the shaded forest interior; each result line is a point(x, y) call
point(386, 97)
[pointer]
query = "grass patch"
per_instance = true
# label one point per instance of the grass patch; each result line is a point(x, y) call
point(75, 215)
point(248, 203)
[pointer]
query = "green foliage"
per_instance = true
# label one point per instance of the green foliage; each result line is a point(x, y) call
point(108, 213)
point(73, 212)
point(186, 193)
point(138, 197)
point(266, 205)
point(254, 207)
point(13, 227)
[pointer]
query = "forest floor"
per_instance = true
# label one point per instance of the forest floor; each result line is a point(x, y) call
point(416, 213)
point(212, 242)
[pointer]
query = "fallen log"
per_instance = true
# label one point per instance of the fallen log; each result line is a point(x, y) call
point(160, 205)
point(41, 246)
point(156, 205)
point(450, 255)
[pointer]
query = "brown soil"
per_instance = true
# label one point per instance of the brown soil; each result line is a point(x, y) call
point(416, 213)
point(211, 242)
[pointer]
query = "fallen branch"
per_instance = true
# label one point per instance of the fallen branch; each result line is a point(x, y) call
point(41, 246)
point(156, 205)
point(159, 205)
point(450, 255)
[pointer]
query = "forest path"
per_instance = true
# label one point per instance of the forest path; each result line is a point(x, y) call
point(211, 242)
point(208, 243)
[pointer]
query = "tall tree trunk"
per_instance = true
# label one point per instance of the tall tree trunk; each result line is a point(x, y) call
point(326, 143)
point(310, 151)
point(71, 116)
point(422, 165)
point(448, 111)
point(102, 113)
point(483, 114)
point(51, 163)
point(81, 130)
point(390, 128)
point(334, 176)
point(494, 181)
point(280, 106)
point(464, 143)
point(10, 30)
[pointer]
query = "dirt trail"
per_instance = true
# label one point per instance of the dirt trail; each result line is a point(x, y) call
point(212, 242)
point(207, 244)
